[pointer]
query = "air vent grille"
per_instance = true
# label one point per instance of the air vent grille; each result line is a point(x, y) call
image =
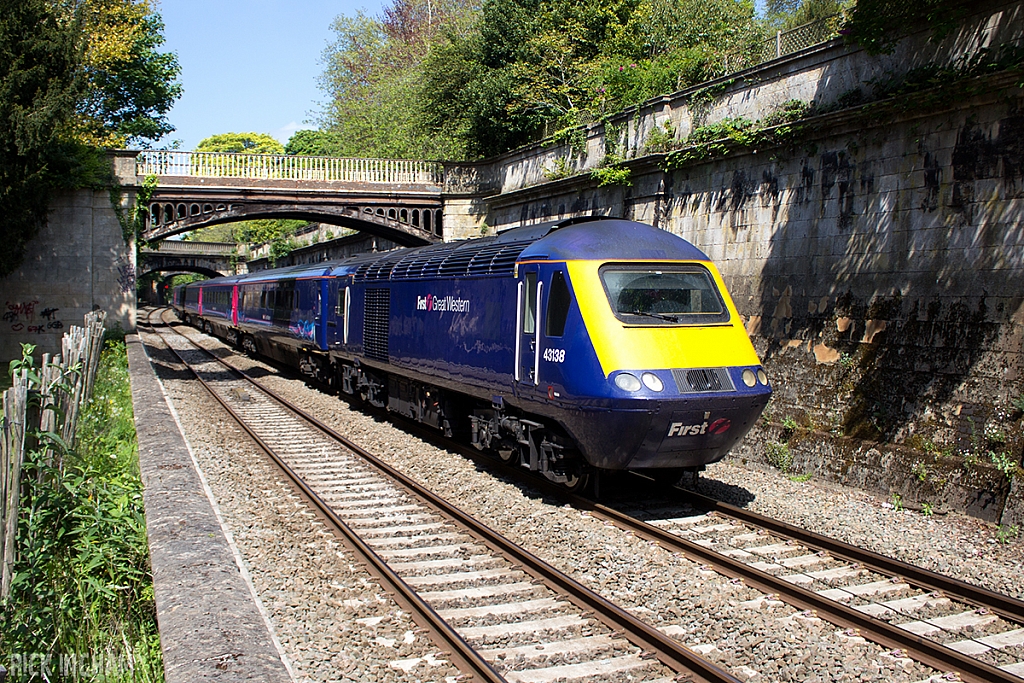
point(702, 380)
point(376, 323)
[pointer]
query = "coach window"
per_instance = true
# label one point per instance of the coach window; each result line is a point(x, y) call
point(347, 305)
point(558, 306)
point(530, 304)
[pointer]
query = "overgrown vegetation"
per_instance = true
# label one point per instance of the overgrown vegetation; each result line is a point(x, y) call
point(453, 80)
point(74, 77)
point(82, 592)
point(877, 24)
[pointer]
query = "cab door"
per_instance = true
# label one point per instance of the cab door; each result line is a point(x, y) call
point(529, 293)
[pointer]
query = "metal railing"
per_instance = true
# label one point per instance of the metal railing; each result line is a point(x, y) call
point(788, 42)
point(175, 247)
point(287, 167)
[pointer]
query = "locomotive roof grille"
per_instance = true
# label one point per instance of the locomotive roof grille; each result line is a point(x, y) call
point(456, 259)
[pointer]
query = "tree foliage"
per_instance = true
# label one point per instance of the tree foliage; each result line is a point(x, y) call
point(130, 84)
point(40, 87)
point(244, 143)
point(373, 79)
point(876, 24)
point(478, 81)
point(75, 75)
point(786, 14)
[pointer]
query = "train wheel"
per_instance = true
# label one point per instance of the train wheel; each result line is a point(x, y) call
point(577, 481)
point(249, 345)
point(508, 452)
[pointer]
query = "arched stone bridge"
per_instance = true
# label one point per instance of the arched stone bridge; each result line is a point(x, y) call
point(399, 200)
point(212, 259)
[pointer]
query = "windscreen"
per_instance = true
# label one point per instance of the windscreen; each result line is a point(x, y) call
point(652, 294)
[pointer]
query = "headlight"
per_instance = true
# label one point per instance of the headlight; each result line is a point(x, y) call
point(762, 377)
point(749, 378)
point(627, 382)
point(652, 381)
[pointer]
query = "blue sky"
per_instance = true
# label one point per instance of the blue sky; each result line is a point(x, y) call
point(249, 65)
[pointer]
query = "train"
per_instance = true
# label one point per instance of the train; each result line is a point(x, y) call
point(570, 348)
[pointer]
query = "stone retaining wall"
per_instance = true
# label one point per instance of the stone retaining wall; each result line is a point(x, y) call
point(875, 256)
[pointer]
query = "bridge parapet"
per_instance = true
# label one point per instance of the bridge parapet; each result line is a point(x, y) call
point(288, 167)
point(178, 247)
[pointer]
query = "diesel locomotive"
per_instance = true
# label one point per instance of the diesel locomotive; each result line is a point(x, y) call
point(568, 347)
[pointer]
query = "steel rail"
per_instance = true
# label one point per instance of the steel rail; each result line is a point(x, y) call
point(919, 648)
point(466, 658)
point(668, 650)
point(1005, 606)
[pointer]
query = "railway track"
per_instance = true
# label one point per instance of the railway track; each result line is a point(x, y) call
point(972, 633)
point(500, 612)
point(949, 625)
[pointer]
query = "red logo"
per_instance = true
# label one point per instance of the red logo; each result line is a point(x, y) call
point(720, 426)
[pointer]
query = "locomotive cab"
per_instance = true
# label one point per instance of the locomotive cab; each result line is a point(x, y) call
point(643, 360)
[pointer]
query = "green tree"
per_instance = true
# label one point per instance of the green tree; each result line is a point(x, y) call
point(787, 14)
point(373, 79)
point(245, 143)
point(130, 85)
point(313, 143)
point(40, 87)
point(542, 65)
point(74, 76)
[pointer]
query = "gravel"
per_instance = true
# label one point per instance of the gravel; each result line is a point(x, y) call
point(322, 605)
point(333, 621)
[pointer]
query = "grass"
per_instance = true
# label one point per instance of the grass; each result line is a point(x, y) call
point(82, 594)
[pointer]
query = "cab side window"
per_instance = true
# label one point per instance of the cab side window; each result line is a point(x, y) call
point(530, 304)
point(558, 305)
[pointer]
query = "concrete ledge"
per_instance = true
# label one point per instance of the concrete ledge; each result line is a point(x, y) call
point(210, 625)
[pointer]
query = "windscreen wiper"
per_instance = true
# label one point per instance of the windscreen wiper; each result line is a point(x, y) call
point(659, 316)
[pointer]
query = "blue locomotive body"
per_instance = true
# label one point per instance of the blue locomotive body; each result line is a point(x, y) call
point(564, 346)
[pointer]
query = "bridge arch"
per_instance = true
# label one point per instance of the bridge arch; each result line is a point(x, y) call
point(178, 269)
point(409, 226)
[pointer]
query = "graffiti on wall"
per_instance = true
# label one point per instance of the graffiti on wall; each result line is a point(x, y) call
point(125, 275)
point(22, 316)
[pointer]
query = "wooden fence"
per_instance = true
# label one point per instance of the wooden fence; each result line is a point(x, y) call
point(49, 398)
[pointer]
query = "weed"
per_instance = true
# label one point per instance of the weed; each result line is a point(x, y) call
point(926, 509)
point(662, 139)
point(1007, 533)
point(801, 478)
point(778, 455)
point(81, 582)
point(562, 168)
point(970, 458)
point(846, 361)
point(897, 502)
point(1003, 462)
point(1018, 403)
point(612, 175)
point(994, 433)
point(920, 470)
